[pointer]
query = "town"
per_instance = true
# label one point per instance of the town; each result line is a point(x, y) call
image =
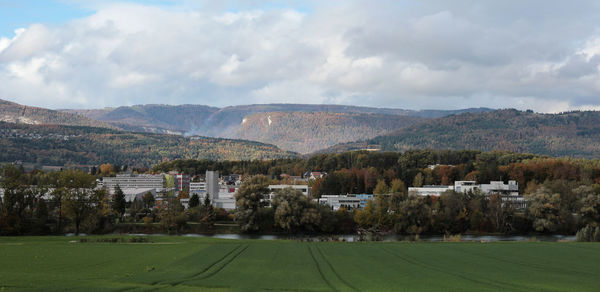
point(414, 193)
point(220, 190)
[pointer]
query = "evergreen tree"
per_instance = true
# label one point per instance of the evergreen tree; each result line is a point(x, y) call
point(148, 200)
point(119, 201)
point(207, 203)
point(194, 201)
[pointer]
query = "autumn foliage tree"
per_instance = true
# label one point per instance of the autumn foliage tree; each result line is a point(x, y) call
point(249, 200)
point(106, 169)
point(295, 211)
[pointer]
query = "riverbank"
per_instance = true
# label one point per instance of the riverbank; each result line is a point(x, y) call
point(386, 238)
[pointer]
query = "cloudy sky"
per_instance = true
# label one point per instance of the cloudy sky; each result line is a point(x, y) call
point(540, 55)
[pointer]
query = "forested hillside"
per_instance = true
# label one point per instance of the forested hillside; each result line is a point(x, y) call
point(154, 118)
point(227, 122)
point(228, 119)
point(574, 134)
point(76, 145)
point(306, 132)
point(16, 113)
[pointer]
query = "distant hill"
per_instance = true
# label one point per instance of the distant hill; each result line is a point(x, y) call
point(306, 132)
point(575, 134)
point(154, 118)
point(227, 122)
point(16, 113)
point(80, 145)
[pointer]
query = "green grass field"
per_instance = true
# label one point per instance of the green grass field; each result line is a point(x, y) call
point(196, 264)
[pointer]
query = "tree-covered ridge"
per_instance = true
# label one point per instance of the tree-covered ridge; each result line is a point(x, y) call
point(379, 165)
point(306, 132)
point(227, 122)
point(218, 119)
point(76, 145)
point(575, 134)
point(154, 118)
point(15, 113)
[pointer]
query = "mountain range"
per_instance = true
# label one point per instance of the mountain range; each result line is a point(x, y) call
point(294, 127)
point(574, 134)
point(307, 132)
point(16, 113)
point(146, 134)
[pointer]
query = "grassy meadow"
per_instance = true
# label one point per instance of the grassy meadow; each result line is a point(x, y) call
point(201, 264)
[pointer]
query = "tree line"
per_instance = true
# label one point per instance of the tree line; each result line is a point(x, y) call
point(67, 201)
point(562, 196)
point(553, 207)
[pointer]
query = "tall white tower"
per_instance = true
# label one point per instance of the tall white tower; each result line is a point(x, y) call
point(212, 184)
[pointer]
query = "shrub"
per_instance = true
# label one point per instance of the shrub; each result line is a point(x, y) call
point(181, 221)
point(147, 220)
point(139, 240)
point(588, 234)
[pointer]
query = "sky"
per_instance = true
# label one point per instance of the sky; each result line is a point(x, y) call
point(437, 54)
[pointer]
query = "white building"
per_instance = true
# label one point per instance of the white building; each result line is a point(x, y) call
point(306, 190)
point(500, 188)
point(198, 187)
point(221, 195)
point(185, 202)
point(338, 201)
point(312, 175)
point(212, 184)
point(132, 181)
point(433, 166)
point(133, 193)
point(494, 187)
point(465, 186)
point(508, 192)
point(353, 201)
point(225, 199)
point(430, 190)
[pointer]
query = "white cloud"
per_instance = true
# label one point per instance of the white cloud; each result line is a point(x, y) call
point(129, 79)
point(28, 72)
point(6, 42)
point(410, 54)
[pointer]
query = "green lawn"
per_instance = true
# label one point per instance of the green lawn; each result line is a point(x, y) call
point(184, 263)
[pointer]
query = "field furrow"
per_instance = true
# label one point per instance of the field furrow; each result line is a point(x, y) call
point(347, 285)
point(197, 264)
